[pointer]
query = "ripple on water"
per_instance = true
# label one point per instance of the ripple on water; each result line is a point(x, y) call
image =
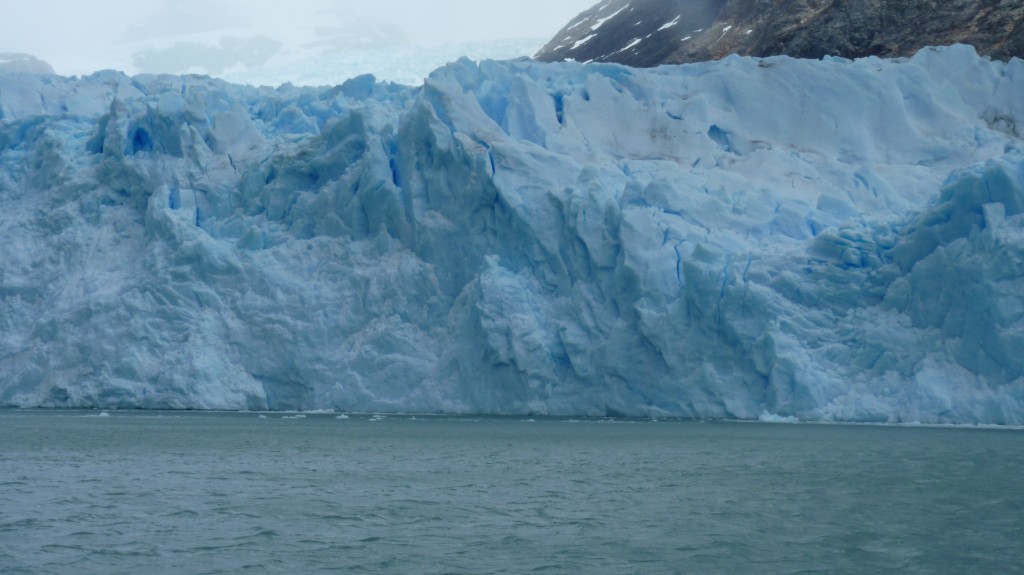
point(237, 494)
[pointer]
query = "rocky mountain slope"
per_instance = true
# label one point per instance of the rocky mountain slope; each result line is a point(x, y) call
point(646, 33)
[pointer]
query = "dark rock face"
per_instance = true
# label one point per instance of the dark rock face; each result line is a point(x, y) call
point(646, 33)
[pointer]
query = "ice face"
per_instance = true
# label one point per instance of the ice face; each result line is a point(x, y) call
point(748, 238)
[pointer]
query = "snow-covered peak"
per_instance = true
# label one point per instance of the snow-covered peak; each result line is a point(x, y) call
point(12, 63)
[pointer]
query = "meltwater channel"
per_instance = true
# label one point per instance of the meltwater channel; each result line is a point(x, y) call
point(218, 493)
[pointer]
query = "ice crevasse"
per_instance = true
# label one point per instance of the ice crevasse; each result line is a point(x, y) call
point(823, 240)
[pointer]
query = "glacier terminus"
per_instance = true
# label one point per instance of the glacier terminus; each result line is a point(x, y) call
point(828, 240)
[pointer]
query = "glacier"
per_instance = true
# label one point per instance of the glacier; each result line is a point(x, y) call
point(750, 238)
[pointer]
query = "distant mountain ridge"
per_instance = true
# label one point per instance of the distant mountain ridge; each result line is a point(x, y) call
point(646, 33)
point(13, 63)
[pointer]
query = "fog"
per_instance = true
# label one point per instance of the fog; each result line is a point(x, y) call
point(78, 37)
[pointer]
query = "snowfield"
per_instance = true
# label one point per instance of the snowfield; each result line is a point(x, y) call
point(776, 239)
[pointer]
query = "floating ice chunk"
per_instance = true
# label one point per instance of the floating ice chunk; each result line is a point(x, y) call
point(768, 417)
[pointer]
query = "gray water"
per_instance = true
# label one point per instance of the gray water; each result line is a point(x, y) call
point(189, 493)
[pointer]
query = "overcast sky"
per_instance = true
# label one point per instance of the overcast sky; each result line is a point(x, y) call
point(72, 34)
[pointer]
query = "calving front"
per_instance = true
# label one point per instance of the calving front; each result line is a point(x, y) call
point(828, 240)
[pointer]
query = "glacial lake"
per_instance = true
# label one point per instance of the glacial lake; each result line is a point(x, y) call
point(219, 493)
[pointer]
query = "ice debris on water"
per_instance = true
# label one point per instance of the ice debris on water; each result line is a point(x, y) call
point(773, 418)
point(820, 240)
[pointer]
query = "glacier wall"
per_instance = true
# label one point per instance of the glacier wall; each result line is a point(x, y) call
point(834, 240)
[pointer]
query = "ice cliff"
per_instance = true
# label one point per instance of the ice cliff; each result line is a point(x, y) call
point(830, 240)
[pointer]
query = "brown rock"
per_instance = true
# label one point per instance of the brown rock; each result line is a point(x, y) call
point(646, 33)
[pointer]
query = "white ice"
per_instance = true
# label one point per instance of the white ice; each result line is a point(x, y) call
point(820, 240)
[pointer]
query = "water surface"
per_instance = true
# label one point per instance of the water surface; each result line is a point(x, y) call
point(218, 493)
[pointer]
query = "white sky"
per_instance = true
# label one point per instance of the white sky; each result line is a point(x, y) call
point(80, 36)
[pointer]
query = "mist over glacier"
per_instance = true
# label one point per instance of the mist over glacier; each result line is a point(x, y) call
point(826, 240)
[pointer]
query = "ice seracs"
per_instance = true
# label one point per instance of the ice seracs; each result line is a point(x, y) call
point(820, 240)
